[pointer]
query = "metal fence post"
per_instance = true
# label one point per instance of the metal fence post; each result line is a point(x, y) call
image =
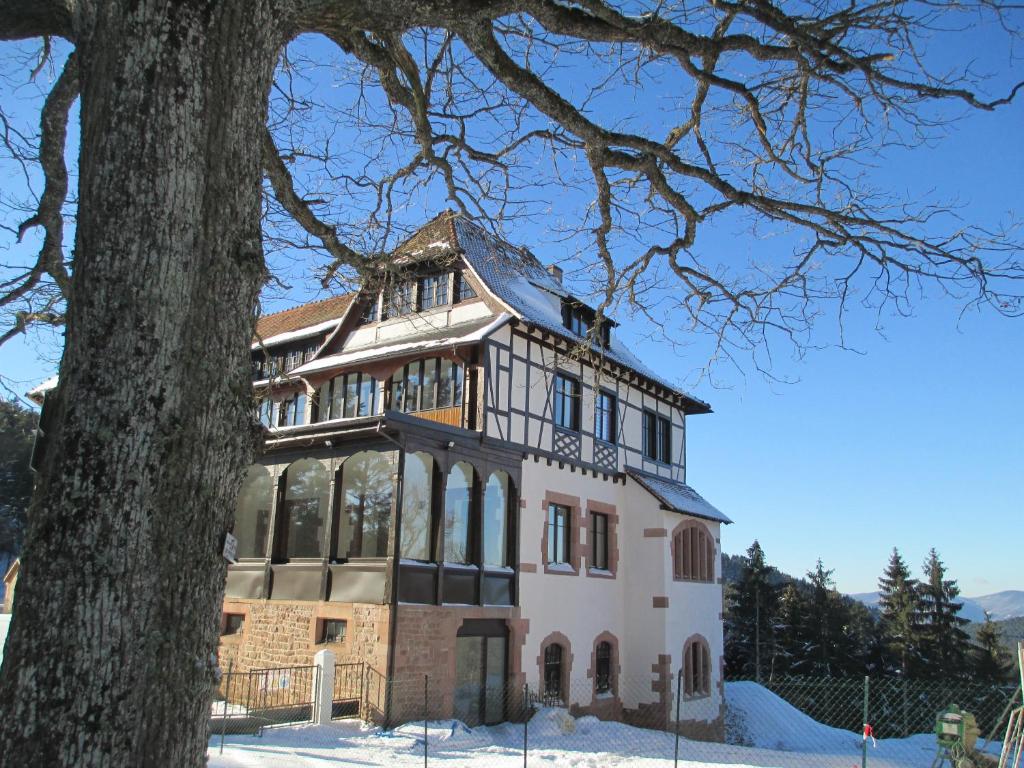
point(224, 720)
point(679, 699)
point(527, 710)
point(864, 743)
point(426, 686)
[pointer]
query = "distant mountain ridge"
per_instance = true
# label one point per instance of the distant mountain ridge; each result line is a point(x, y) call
point(1008, 604)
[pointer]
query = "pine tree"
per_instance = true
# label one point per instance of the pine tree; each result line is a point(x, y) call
point(900, 623)
point(945, 645)
point(991, 660)
point(749, 618)
point(789, 652)
point(824, 625)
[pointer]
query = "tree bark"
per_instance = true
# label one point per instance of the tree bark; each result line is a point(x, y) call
point(111, 654)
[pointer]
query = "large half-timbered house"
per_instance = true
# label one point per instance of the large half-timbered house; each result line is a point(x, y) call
point(461, 478)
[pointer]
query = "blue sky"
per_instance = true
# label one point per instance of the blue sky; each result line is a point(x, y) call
point(914, 443)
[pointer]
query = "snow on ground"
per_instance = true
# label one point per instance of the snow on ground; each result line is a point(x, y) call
point(5, 622)
point(776, 734)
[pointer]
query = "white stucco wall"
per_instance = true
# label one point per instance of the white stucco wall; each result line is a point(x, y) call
point(582, 607)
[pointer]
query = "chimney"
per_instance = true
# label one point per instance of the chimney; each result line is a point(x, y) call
point(555, 272)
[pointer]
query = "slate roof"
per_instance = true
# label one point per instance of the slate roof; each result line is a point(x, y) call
point(519, 280)
point(677, 496)
point(303, 316)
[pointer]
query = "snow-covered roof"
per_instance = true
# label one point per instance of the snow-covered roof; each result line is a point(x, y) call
point(520, 281)
point(37, 393)
point(677, 496)
point(432, 338)
point(301, 333)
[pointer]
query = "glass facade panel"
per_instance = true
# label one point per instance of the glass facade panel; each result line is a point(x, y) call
point(429, 399)
point(495, 519)
point(417, 488)
point(366, 488)
point(469, 658)
point(252, 513)
point(306, 492)
point(351, 394)
point(494, 681)
point(367, 396)
point(457, 509)
point(413, 385)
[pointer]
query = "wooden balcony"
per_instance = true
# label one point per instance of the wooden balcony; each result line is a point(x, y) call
point(450, 416)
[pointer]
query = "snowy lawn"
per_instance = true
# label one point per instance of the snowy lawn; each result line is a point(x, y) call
point(778, 736)
point(5, 622)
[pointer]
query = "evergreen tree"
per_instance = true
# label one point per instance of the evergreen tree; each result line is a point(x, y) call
point(945, 645)
point(825, 623)
point(991, 660)
point(900, 623)
point(865, 650)
point(749, 617)
point(789, 651)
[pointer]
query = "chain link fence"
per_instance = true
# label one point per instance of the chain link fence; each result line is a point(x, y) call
point(651, 723)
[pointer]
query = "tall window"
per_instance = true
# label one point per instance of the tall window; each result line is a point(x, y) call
point(599, 540)
point(603, 667)
point(559, 549)
point(347, 396)
point(553, 657)
point(657, 437)
point(567, 401)
point(458, 497)
point(303, 512)
point(292, 411)
point(495, 519)
point(606, 417)
point(693, 553)
point(417, 490)
point(267, 412)
point(433, 291)
point(398, 300)
point(252, 512)
point(463, 289)
point(427, 384)
point(369, 313)
point(697, 668)
point(365, 506)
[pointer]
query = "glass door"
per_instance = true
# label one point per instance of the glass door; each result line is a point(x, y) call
point(480, 671)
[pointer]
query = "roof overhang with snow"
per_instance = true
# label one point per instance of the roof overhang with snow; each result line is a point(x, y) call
point(677, 497)
point(452, 336)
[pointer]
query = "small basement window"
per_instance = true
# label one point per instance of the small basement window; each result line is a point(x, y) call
point(233, 623)
point(333, 630)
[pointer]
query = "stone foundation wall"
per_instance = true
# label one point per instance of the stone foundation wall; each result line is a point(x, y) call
point(285, 633)
point(425, 646)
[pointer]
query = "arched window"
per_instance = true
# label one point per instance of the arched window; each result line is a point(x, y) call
point(458, 498)
point(603, 667)
point(303, 511)
point(252, 512)
point(347, 396)
point(366, 488)
point(693, 552)
point(495, 519)
point(425, 385)
point(696, 668)
point(417, 491)
point(554, 657)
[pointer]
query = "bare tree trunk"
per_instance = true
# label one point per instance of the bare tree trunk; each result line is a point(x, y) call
point(110, 657)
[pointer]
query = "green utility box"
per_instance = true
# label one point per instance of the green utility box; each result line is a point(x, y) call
point(954, 727)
